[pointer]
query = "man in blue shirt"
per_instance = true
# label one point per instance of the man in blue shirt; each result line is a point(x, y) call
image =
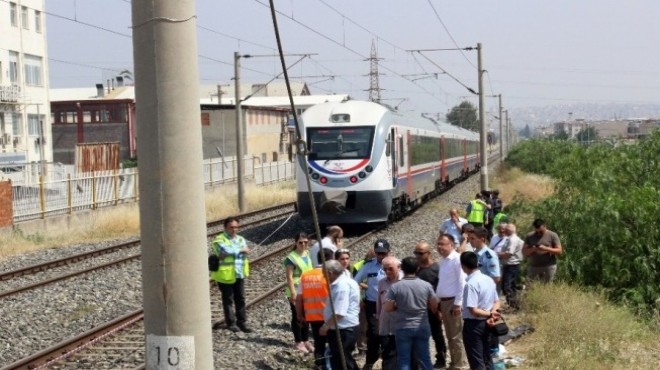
point(480, 303)
point(345, 295)
point(368, 277)
point(488, 261)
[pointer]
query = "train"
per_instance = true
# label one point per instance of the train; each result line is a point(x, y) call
point(368, 163)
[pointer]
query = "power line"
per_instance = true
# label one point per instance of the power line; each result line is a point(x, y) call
point(342, 45)
point(449, 33)
point(447, 73)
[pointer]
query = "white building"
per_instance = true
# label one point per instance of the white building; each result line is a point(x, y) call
point(25, 134)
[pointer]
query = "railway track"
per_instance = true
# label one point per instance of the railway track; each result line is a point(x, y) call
point(119, 344)
point(128, 251)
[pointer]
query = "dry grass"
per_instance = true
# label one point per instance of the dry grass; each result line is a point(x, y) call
point(513, 183)
point(124, 221)
point(581, 330)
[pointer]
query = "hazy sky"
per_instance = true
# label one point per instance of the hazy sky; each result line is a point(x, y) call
point(535, 52)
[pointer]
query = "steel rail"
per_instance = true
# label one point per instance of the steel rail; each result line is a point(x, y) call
point(70, 347)
point(28, 270)
point(63, 261)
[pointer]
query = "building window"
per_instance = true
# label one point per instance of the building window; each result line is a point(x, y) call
point(13, 14)
point(33, 125)
point(32, 70)
point(37, 21)
point(24, 17)
point(17, 124)
point(206, 119)
point(13, 67)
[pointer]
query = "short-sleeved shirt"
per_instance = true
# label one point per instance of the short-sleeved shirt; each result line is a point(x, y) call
point(386, 320)
point(513, 245)
point(448, 226)
point(429, 274)
point(373, 272)
point(549, 239)
point(479, 292)
point(345, 294)
point(412, 296)
point(489, 263)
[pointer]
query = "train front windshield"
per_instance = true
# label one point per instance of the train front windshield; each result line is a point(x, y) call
point(327, 143)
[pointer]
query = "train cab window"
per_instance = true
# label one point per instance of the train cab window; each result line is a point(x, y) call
point(339, 142)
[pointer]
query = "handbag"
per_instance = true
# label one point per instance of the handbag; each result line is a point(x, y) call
point(498, 327)
point(214, 263)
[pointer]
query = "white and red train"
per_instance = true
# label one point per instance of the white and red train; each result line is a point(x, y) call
point(370, 164)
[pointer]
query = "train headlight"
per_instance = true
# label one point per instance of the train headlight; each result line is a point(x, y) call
point(353, 179)
point(323, 180)
point(368, 168)
point(315, 176)
point(362, 175)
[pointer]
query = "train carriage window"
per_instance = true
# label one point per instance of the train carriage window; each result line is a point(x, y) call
point(339, 142)
point(424, 149)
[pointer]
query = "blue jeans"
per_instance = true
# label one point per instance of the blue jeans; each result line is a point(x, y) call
point(417, 339)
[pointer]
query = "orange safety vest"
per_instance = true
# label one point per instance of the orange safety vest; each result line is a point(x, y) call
point(314, 294)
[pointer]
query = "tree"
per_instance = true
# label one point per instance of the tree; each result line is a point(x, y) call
point(587, 135)
point(561, 135)
point(525, 132)
point(464, 115)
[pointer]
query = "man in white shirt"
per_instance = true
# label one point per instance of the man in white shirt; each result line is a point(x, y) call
point(452, 225)
point(451, 281)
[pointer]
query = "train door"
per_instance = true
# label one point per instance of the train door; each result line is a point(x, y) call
point(443, 165)
point(390, 153)
point(466, 168)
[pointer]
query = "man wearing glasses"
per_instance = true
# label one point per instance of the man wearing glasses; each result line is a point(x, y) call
point(232, 251)
point(372, 272)
point(428, 271)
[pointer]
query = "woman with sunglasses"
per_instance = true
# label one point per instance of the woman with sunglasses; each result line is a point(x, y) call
point(297, 262)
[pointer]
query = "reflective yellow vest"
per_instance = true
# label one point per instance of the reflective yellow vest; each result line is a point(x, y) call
point(300, 267)
point(477, 212)
point(226, 273)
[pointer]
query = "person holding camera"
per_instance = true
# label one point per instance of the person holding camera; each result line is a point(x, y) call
point(542, 247)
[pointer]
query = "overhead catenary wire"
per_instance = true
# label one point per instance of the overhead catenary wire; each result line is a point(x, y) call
point(301, 144)
point(437, 15)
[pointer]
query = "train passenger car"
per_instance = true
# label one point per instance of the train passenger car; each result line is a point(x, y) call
point(369, 164)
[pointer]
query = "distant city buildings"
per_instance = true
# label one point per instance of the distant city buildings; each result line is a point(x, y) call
point(605, 129)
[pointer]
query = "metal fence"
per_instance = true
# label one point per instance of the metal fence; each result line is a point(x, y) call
point(65, 193)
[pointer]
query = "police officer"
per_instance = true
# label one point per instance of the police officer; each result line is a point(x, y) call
point(368, 277)
point(232, 251)
point(489, 263)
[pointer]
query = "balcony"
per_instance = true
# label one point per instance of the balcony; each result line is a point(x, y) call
point(10, 94)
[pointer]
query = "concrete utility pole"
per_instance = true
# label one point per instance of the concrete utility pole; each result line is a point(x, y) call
point(508, 129)
point(483, 129)
point(239, 133)
point(499, 97)
point(177, 316)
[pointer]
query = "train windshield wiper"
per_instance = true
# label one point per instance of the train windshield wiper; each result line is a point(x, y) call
point(338, 154)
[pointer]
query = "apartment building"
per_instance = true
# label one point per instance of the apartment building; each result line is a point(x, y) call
point(25, 134)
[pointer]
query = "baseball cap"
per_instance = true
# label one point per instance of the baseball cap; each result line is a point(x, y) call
point(381, 246)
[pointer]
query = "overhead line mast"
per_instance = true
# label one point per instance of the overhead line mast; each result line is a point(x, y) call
point(374, 84)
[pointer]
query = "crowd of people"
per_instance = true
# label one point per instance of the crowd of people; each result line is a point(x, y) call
point(383, 307)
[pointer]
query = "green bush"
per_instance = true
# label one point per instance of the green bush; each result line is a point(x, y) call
point(605, 209)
